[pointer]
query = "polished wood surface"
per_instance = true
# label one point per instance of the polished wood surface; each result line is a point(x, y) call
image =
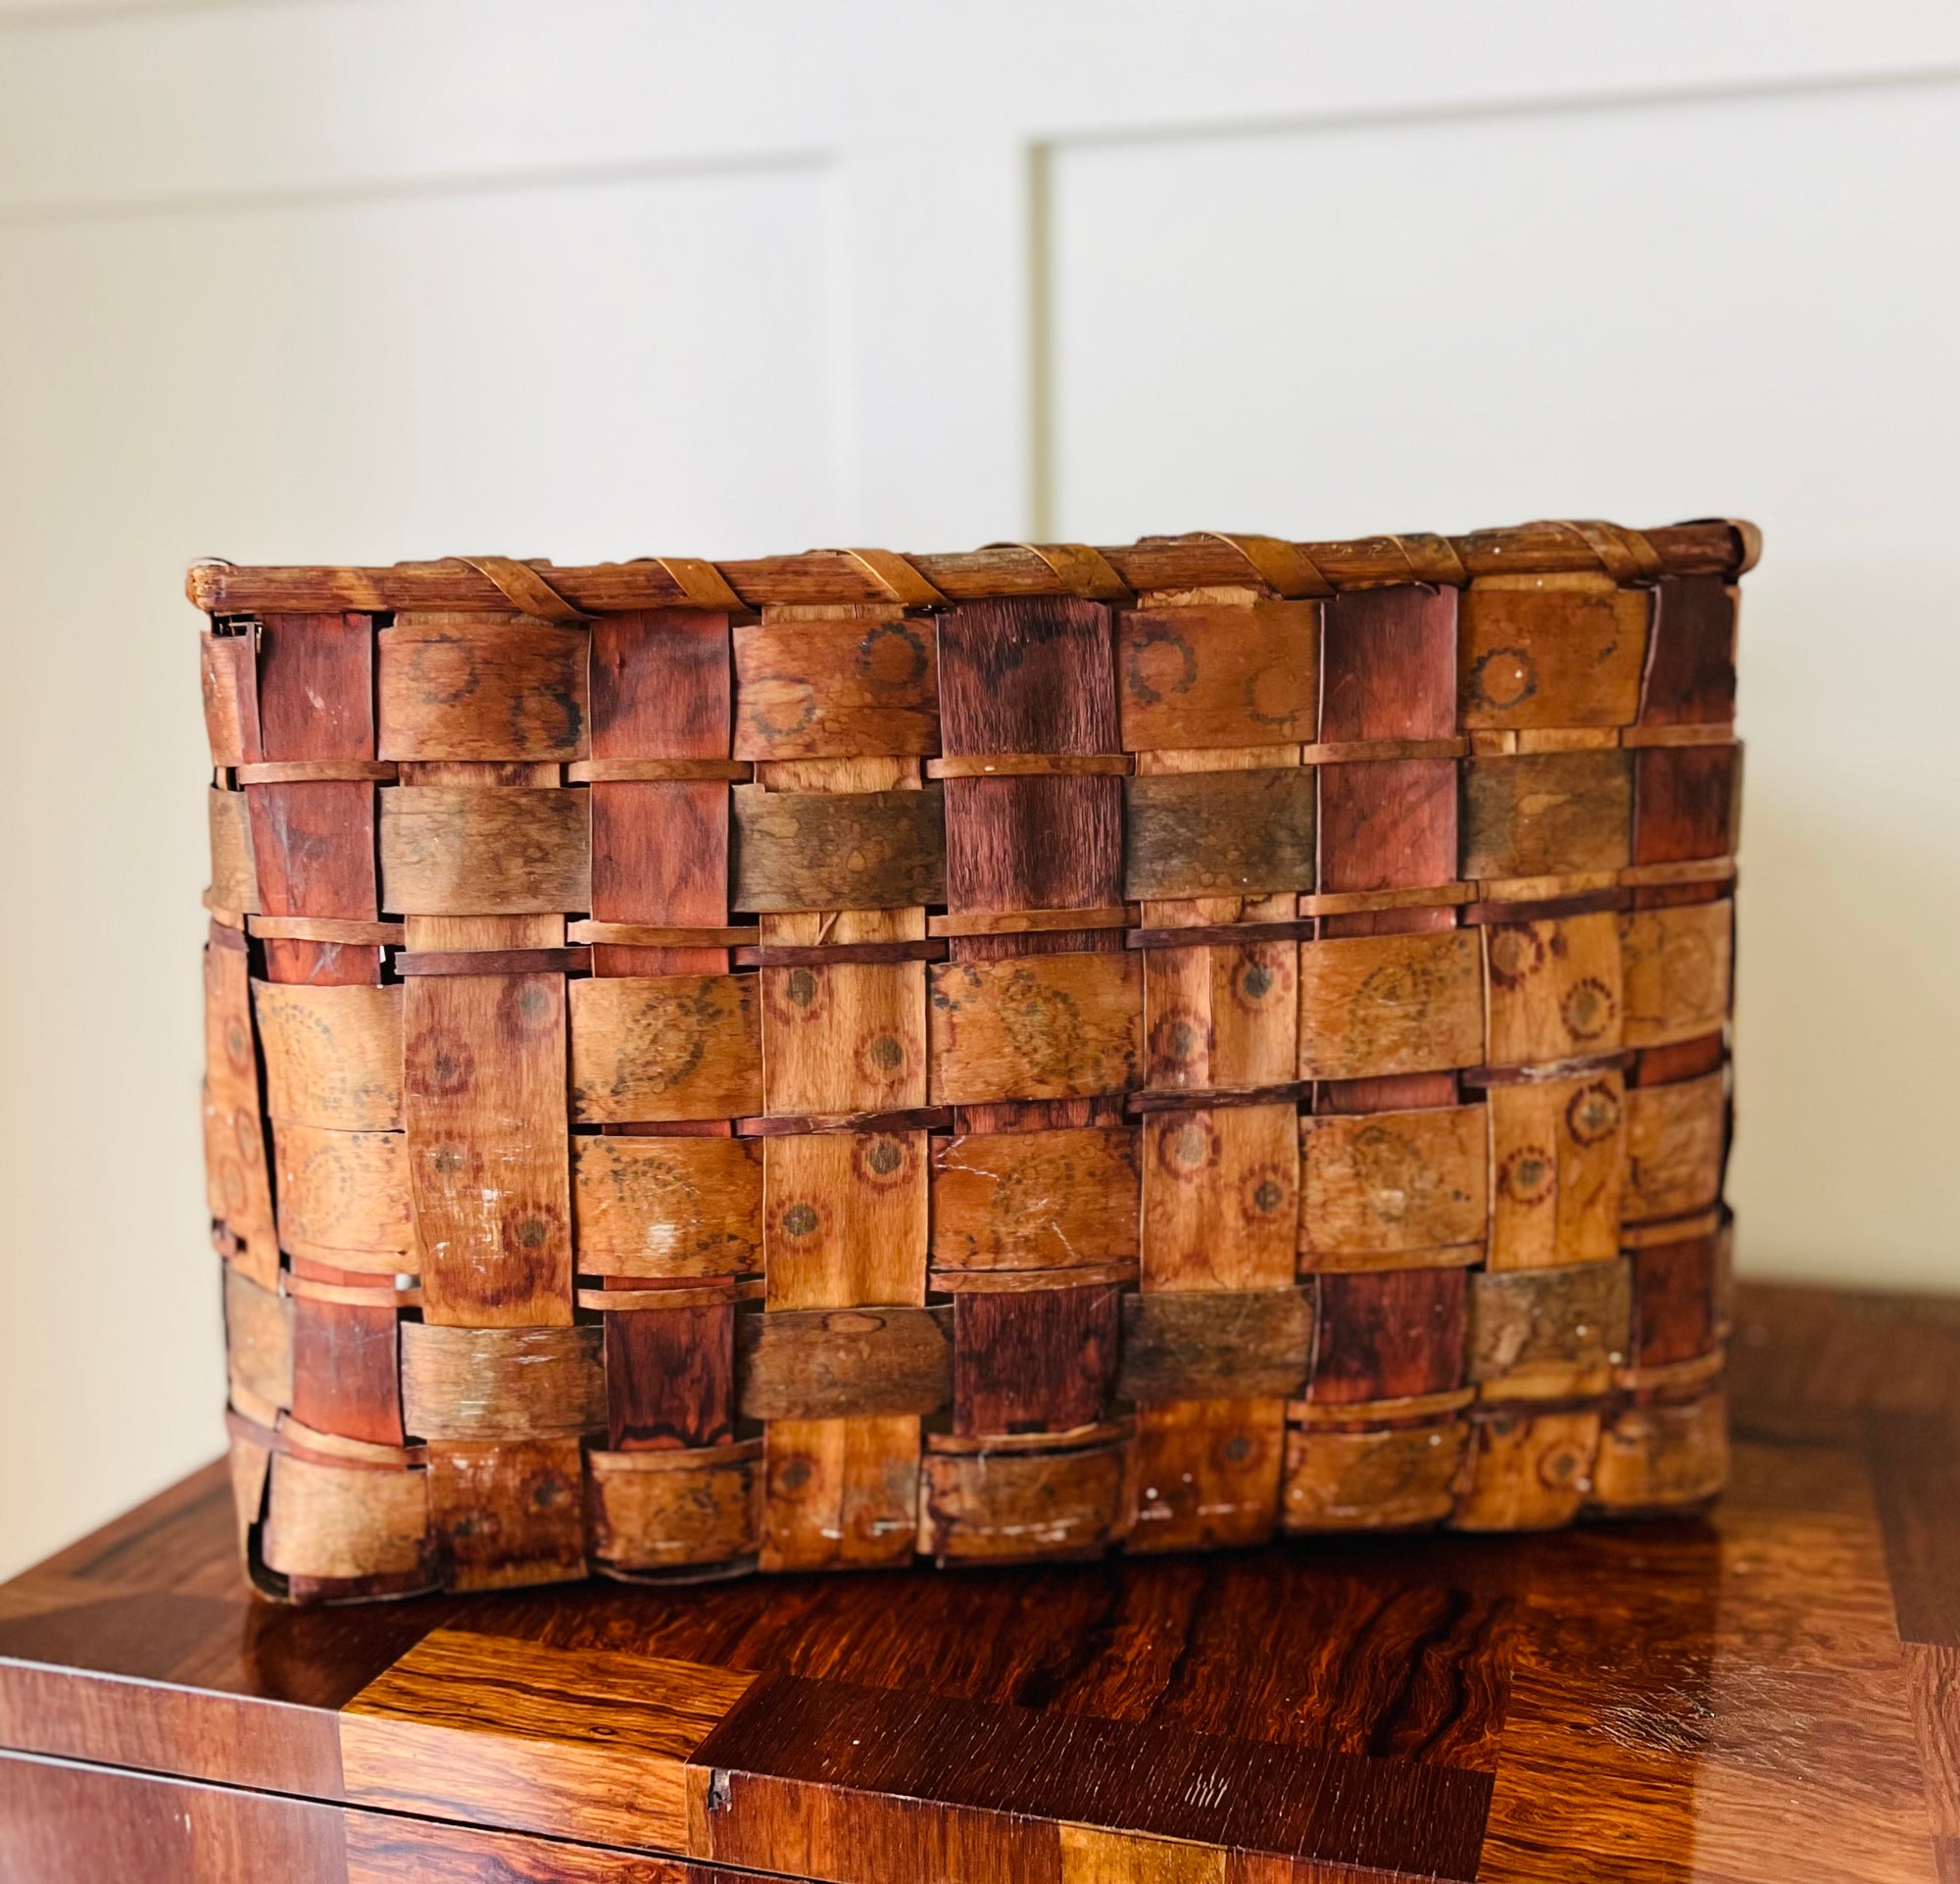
point(1771, 1692)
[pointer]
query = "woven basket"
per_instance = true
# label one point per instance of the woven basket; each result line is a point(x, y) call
point(791, 1064)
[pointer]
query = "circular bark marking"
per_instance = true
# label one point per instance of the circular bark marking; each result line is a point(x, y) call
point(1180, 1038)
point(664, 1042)
point(1275, 697)
point(1236, 1449)
point(528, 1226)
point(1593, 1115)
point(547, 717)
point(780, 706)
point(884, 1161)
point(1188, 1147)
point(1263, 1194)
point(891, 655)
point(1588, 1009)
point(1262, 978)
point(799, 1220)
point(1527, 1174)
point(1159, 661)
point(1503, 678)
point(1558, 1467)
point(443, 669)
point(883, 1057)
point(796, 995)
point(1516, 953)
point(527, 1008)
point(437, 1065)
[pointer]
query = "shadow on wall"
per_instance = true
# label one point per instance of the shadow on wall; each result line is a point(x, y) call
point(1848, 1020)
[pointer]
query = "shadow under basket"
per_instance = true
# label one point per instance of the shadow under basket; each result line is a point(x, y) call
point(840, 1058)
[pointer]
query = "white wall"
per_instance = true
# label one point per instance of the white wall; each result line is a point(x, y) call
point(355, 281)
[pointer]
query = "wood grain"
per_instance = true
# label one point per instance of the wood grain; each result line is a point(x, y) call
point(1219, 675)
point(1369, 1478)
point(229, 676)
point(1633, 1694)
point(1219, 833)
point(1027, 1360)
point(825, 1364)
point(668, 1207)
point(1388, 664)
point(1691, 673)
point(1207, 1343)
point(1199, 560)
point(484, 1081)
point(1034, 1200)
point(662, 1513)
point(507, 1514)
point(670, 1375)
point(345, 1522)
point(791, 1767)
point(1677, 1138)
point(452, 850)
point(1381, 1005)
point(1549, 1333)
point(1555, 989)
point(237, 1166)
point(333, 1055)
point(661, 853)
point(501, 1383)
point(665, 1047)
point(467, 686)
point(1220, 1198)
point(1661, 1458)
point(234, 876)
point(258, 1345)
point(845, 1037)
point(345, 1362)
point(841, 1493)
point(1013, 1506)
point(1207, 1473)
point(1390, 1335)
point(1551, 651)
point(584, 1744)
point(1223, 1016)
point(1686, 803)
point(1387, 824)
point(1677, 1308)
point(817, 689)
point(1547, 814)
point(1527, 1470)
point(1392, 1185)
point(343, 1196)
point(1059, 1027)
point(1558, 1170)
point(1028, 675)
point(1034, 843)
point(1676, 969)
point(313, 838)
point(838, 850)
point(843, 1220)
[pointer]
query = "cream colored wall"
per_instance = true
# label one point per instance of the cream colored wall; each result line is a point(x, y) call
point(365, 281)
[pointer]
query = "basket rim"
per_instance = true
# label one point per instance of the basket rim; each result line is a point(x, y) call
point(840, 578)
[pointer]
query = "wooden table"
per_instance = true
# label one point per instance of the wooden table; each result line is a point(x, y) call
point(1772, 1693)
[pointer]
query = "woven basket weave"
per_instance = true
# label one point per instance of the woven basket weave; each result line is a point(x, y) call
point(801, 1062)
